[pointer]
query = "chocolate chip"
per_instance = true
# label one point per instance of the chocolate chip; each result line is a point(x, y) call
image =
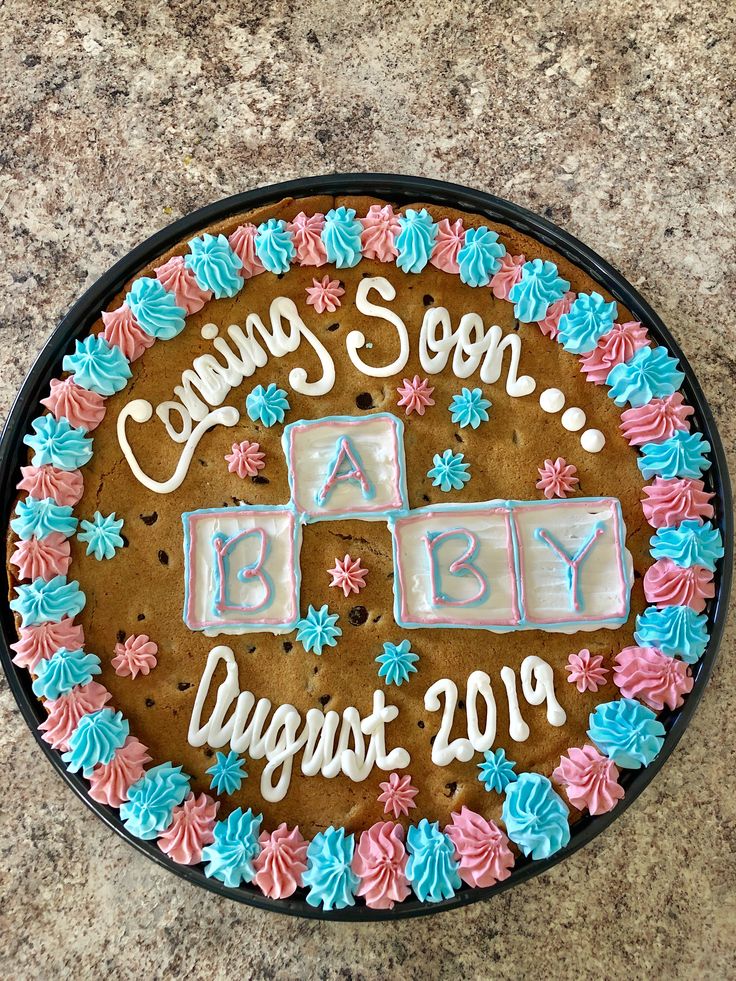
point(364, 400)
point(333, 327)
point(451, 788)
point(163, 557)
point(358, 615)
point(420, 724)
point(324, 699)
point(461, 704)
point(288, 646)
point(428, 300)
point(209, 752)
point(515, 437)
point(258, 479)
point(425, 497)
point(183, 685)
point(121, 636)
point(458, 438)
point(149, 519)
point(125, 540)
point(251, 650)
point(376, 619)
point(141, 616)
point(150, 703)
point(517, 325)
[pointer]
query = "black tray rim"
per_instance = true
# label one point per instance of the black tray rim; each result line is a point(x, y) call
point(402, 189)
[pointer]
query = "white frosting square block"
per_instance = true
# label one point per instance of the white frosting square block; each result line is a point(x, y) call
point(513, 565)
point(241, 569)
point(343, 467)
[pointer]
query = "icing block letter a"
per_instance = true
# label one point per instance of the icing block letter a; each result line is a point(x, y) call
point(347, 465)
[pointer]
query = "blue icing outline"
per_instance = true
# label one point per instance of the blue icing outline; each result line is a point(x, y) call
point(415, 241)
point(63, 671)
point(684, 454)
point(588, 319)
point(539, 287)
point(692, 542)
point(648, 374)
point(536, 817)
point(274, 246)
point(43, 601)
point(155, 309)
point(57, 442)
point(96, 739)
point(627, 732)
point(464, 565)
point(480, 256)
point(578, 558)
point(98, 366)
point(344, 449)
point(245, 572)
point(677, 631)
point(341, 237)
point(41, 517)
point(215, 265)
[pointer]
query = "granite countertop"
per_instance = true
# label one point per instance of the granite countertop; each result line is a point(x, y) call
point(614, 121)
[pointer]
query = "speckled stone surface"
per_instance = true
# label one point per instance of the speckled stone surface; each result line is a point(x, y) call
point(617, 122)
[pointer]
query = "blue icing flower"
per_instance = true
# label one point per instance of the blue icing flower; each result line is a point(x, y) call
point(431, 868)
point(268, 405)
point(215, 265)
point(496, 773)
point(449, 472)
point(649, 374)
point(98, 366)
point(415, 241)
point(63, 671)
point(102, 535)
point(274, 246)
point(535, 816)
point(42, 602)
point(230, 856)
point(677, 631)
point(397, 662)
point(329, 876)
point(469, 408)
point(682, 455)
point(341, 237)
point(155, 309)
point(479, 258)
point(228, 773)
point(37, 519)
point(151, 801)
point(628, 732)
point(691, 543)
point(539, 287)
point(95, 740)
point(588, 319)
point(57, 442)
point(318, 629)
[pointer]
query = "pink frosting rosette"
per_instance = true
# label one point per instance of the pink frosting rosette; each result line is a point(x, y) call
point(508, 275)
point(380, 228)
point(550, 325)
point(669, 584)
point(590, 780)
point(64, 486)
point(281, 862)
point(450, 239)
point(83, 409)
point(136, 655)
point(481, 848)
point(176, 277)
point(306, 234)
point(40, 641)
point(668, 502)
point(243, 243)
point(42, 558)
point(110, 782)
point(655, 421)
point(192, 827)
point(122, 329)
point(380, 863)
point(615, 347)
point(652, 677)
point(65, 712)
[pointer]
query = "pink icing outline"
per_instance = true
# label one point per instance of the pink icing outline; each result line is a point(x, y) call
point(454, 568)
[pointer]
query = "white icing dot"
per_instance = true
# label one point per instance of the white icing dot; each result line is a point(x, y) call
point(552, 400)
point(210, 332)
point(592, 440)
point(573, 419)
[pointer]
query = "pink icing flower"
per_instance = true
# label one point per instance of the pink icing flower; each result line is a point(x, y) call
point(243, 243)
point(450, 239)
point(122, 329)
point(613, 348)
point(192, 827)
point(39, 642)
point(551, 323)
point(64, 486)
point(109, 782)
point(508, 275)
point(245, 459)
point(590, 779)
point(306, 232)
point(669, 584)
point(65, 712)
point(82, 408)
point(281, 862)
point(652, 677)
point(325, 294)
point(586, 670)
point(416, 395)
point(380, 228)
point(655, 421)
point(177, 278)
point(481, 848)
point(398, 794)
point(668, 502)
point(44, 558)
point(557, 478)
point(380, 863)
point(348, 575)
point(136, 656)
